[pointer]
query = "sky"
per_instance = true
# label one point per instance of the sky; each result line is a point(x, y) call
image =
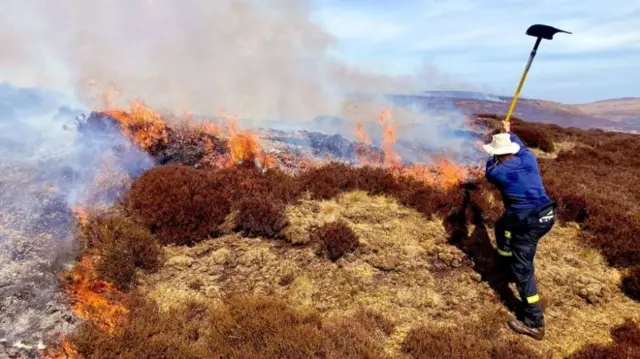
point(483, 43)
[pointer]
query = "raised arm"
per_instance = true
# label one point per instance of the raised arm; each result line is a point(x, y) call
point(516, 139)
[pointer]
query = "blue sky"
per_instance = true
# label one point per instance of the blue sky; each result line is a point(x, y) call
point(483, 43)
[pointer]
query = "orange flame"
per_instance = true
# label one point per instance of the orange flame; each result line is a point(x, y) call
point(442, 173)
point(81, 213)
point(389, 137)
point(67, 351)
point(90, 297)
point(421, 173)
point(244, 147)
point(142, 124)
point(362, 134)
point(210, 128)
point(364, 138)
point(450, 174)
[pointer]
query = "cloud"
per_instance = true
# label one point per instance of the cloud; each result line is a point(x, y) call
point(484, 42)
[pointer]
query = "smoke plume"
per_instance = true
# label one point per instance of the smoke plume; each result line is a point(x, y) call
point(256, 58)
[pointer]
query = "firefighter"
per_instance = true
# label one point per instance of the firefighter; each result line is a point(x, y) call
point(528, 216)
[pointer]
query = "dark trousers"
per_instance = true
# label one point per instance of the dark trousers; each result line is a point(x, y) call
point(517, 239)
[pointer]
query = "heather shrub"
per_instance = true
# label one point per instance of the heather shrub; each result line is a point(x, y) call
point(374, 321)
point(180, 205)
point(191, 143)
point(626, 344)
point(377, 181)
point(122, 247)
point(259, 200)
point(487, 199)
point(534, 137)
point(631, 284)
point(595, 185)
point(260, 216)
point(243, 327)
point(427, 342)
point(246, 182)
point(328, 181)
point(430, 201)
point(116, 267)
point(333, 179)
point(572, 208)
point(335, 240)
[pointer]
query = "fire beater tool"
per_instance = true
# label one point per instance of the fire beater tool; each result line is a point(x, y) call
point(540, 32)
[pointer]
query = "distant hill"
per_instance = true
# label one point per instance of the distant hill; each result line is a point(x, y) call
point(621, 114)
point(625, 110)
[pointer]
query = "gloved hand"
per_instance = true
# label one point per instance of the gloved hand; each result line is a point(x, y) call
point(506, 126)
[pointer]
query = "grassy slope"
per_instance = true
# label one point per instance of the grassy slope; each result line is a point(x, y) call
point(404, 270)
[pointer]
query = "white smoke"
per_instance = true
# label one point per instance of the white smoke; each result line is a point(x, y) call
point(260, 59)
point(263, 60)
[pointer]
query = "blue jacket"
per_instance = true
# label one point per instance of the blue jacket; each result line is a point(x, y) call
point(519, 181)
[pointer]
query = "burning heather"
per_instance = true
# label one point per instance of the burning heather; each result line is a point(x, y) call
point(60, 166)
point(98, 208)
point(211, 170)
point(51, 176)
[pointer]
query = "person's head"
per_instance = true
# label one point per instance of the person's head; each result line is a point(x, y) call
point(501, 146)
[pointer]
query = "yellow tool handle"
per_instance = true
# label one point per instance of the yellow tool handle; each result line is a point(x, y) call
point(515, 97)
point(522, 78)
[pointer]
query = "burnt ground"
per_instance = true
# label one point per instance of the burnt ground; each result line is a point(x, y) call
point(35, 246)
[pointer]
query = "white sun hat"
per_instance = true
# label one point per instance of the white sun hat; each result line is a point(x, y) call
point(501, 145)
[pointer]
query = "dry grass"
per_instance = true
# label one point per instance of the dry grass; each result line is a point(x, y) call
point(625, 345)
point(406, 270)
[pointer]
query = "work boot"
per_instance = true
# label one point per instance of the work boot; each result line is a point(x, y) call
point(521, 328)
